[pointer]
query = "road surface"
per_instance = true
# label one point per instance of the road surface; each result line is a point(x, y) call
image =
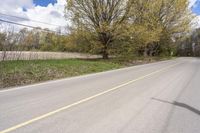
point(162, 97)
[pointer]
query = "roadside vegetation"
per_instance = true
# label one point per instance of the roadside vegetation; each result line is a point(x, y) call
point(109, 28)
point(121, 32)
point(15, 73)
point(190, 46)
point(24, 72)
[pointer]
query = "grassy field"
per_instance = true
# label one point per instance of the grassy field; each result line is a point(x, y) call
point(14, 73)
point(17, 73)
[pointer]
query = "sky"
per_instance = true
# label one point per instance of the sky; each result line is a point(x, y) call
point(196, 7)
point(47, 11)
point(44, 2)
point(52, 12)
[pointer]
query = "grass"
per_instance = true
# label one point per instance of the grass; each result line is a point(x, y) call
point(131, 61)
point(15, 73)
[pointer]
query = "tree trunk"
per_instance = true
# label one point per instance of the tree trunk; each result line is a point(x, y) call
point(105, 55)
point(145, 54)
point(105, 38)
point(105, 52)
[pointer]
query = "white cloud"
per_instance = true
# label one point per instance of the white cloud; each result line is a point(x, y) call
point(196, 20)
point(13, 4)
point(53, 14)
point(192, 3)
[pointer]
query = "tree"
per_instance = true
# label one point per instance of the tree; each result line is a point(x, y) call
point(150, 26)
point(174, 17)
point(190, 45)
point(102, 18)
point(159, 22)
point(2, 40)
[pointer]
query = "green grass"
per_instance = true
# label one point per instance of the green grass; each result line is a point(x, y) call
point(15, 73)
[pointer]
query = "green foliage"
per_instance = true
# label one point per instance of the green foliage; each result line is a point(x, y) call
point(144, 26)
point(102, 19)
point(111, 27)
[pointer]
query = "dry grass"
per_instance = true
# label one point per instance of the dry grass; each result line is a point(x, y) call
point(23, 72)
point(29, 55)
point(16, 73)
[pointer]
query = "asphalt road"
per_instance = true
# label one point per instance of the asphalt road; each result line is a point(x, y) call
point(161, 97)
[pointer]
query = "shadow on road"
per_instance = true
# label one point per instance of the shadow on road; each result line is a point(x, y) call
point(183, 105)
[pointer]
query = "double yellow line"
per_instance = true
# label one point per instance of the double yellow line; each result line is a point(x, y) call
point(82, 101)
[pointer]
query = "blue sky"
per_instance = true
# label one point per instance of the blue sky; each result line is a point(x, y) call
point(196, 7)
point(44, 2)
point(52, 11)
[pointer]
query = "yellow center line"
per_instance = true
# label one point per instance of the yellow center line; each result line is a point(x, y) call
point(81, 101)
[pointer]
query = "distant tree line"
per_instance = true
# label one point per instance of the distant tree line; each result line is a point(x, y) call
point(112, 27)
point(190, 45)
